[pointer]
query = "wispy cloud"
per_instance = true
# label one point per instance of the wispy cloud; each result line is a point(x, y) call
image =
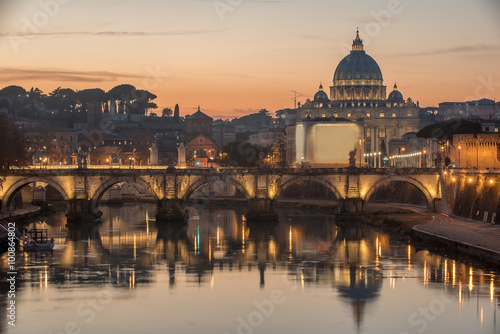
point(112, 33)
point(19, 74)
point(456, 49)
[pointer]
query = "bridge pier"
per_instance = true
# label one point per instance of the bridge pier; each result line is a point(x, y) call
point(170, 210)
point(437, 205)
point(80, 211)
point(261, 210)
point(351, 205)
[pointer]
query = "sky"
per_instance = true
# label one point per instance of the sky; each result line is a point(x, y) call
point(234, 57)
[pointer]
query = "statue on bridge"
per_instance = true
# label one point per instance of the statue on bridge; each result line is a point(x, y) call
point(352, 159)
point(82, 158)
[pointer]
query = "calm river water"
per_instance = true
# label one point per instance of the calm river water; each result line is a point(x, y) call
point(221, 274)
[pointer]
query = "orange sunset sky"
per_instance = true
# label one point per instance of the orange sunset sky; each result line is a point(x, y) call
point(234, 57)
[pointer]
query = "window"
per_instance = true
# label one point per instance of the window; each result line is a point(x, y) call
point(393, 114)
point(368, 114)
point(368, 132)
point(323, 115)
point(381, 131)
point(335, 115)
point(409, 113)
point(348, 114)
point(382, 114)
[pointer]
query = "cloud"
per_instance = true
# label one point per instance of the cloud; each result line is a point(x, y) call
point(456, 49)
point(111, 33)
point(19, 74)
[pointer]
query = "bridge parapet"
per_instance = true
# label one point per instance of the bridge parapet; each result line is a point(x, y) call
point(351, 186)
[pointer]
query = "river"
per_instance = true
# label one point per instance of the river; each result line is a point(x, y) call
point(221, 274)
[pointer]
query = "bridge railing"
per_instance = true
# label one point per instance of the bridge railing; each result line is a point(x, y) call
point(231, 170)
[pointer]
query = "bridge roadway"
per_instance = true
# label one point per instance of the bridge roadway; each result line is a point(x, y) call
point(82, 188)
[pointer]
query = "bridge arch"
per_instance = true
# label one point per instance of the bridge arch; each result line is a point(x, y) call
point(108, 183)
point(198, 183)
point(410, 180)
point(14, 188)
point(317, 179)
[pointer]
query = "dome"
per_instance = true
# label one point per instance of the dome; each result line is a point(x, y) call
point(321, 96)
point(357, 65)
point(395, 95)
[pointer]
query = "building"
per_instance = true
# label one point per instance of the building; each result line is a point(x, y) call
point(358, 95)
point(484, 108)
point(201, 152)
point(265, 137)
point(198, 124)
point(321, 144)
point(476, 151)
point(223, 132)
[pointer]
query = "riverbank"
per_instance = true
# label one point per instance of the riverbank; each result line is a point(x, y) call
point(456, 237)
point(27, 211)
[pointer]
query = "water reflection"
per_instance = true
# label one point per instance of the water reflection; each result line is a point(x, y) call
point(359, 265)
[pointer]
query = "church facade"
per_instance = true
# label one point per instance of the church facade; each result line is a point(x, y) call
point(358, 95)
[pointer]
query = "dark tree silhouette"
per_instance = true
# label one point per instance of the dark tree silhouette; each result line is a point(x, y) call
point(13, 152)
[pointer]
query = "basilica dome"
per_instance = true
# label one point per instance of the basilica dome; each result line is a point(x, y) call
point(358, 66)
point(321, 96)
point(395, 95)
point(358, 78)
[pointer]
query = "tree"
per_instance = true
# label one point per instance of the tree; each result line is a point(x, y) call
point(167, 112)
point(443, 131)
point(241, 154)
point(13, 151)
point(123, 94)
point(12, 91)
point(176, 114)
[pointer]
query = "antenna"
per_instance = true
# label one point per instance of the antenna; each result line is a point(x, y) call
point(296, 95)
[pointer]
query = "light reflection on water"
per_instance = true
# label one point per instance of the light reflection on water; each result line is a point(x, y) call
point(221, 274)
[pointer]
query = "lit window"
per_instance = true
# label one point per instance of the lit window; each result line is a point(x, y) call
point(125, 142)
point(368, 114)
point(382, 114)
point(323, 115)
point(393, 114)
point(496, 129)
point(335, 115)
point(368, 132)
point(409, 113)
point(348, 114)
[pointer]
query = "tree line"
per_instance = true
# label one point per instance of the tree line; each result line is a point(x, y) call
point(68, 103)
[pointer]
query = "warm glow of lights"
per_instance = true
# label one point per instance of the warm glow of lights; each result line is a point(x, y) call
point(446, 276)
point(491, 181)
point(243, 237)
point(131, 280)
point(290, 241)
point(209, 249)
point(426, 276)
point(471, 285)
point(453, 179)
point(492, 289)
point(459, 295)
point(453, 274)
point(409, 257)
point(135, 247)
point(470, 179)
point(218, 236)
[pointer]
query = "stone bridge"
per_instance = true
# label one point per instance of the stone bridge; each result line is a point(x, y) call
point(83, 188)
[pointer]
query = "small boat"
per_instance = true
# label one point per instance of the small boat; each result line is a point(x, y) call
point(37, 240)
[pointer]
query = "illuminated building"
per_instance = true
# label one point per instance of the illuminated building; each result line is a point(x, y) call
point(358, 95)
